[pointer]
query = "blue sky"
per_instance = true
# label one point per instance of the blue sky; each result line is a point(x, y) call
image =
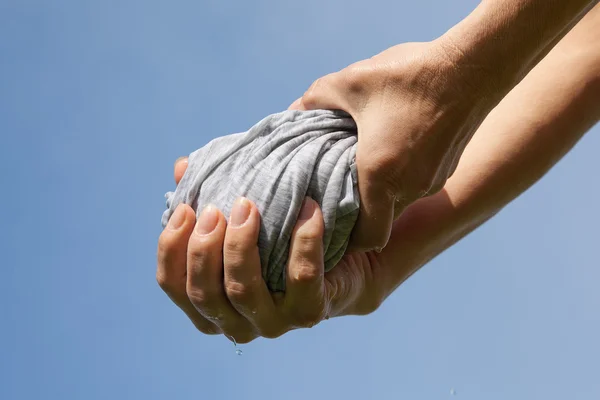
point(98, 98)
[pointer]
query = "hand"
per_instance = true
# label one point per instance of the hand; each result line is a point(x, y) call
point(211, 270)
point(415, 114)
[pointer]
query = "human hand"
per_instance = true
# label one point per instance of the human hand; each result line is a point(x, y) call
point(215, 277)
point(415, 111)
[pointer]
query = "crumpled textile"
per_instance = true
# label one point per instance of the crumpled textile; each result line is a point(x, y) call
point(275, 164)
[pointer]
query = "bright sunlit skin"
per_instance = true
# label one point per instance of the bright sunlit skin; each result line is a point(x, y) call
point(210, 268)
point(417, 105)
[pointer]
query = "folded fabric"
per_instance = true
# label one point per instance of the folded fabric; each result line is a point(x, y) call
point(276, 164)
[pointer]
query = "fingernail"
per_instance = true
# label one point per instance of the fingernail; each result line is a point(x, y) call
point(178, 218)
point(207, 221)
point(240, 212)
point(307, 210)
point(180, 159)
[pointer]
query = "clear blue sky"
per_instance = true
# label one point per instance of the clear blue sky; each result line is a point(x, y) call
point(97, 98)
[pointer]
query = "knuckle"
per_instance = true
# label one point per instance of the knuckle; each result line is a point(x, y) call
point(304, 272)
point(234, 261)
point(322, 85)
point(311, 94)
point(236, 245)
point(200, 298)
point(198, 257)
point(240, 293)
point(163, 281)
point(355, 77)
point(303, 250)
point(310, 99)
point(307, 235)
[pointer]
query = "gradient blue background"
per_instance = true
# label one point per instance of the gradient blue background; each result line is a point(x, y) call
point(96, 101)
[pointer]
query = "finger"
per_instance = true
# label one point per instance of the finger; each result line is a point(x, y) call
point(171, 270)
point(377, 208)
point(244, 285)
point(304, 299)
point(181, 165)
point(205, 287)
point(296, 105)
point(375, 219)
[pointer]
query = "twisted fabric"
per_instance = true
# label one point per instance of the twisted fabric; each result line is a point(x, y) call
point(276, 164)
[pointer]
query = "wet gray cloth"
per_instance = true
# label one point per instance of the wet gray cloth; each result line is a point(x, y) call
point(278, 162)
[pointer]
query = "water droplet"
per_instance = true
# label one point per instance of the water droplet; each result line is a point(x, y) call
point(239, 352)
point(253, 311)
point(217, 317)
point(452, 392)
point(233, 340)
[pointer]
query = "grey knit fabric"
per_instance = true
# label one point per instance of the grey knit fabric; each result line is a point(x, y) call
point(278, 162)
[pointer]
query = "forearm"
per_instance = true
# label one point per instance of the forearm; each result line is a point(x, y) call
point(521, 139)
point(501, 40)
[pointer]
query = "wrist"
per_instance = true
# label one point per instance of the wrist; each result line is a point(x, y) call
point(483, 83)
point(501, 40)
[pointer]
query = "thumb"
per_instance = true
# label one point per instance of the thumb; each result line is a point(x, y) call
point(376, 215)
point(337, 91)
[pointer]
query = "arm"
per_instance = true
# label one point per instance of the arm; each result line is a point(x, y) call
point(215, 278)
point(501, 40)
point(417, 105)
point(535, 125)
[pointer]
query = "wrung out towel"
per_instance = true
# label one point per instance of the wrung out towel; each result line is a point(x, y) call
point(276, 164)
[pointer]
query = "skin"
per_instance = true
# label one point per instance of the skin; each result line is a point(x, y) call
point(215, 278)
point(417, 105)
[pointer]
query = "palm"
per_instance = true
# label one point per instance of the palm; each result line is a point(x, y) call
point(355, 284)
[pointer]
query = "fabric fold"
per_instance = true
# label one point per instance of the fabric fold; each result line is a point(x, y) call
point(276, 164)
